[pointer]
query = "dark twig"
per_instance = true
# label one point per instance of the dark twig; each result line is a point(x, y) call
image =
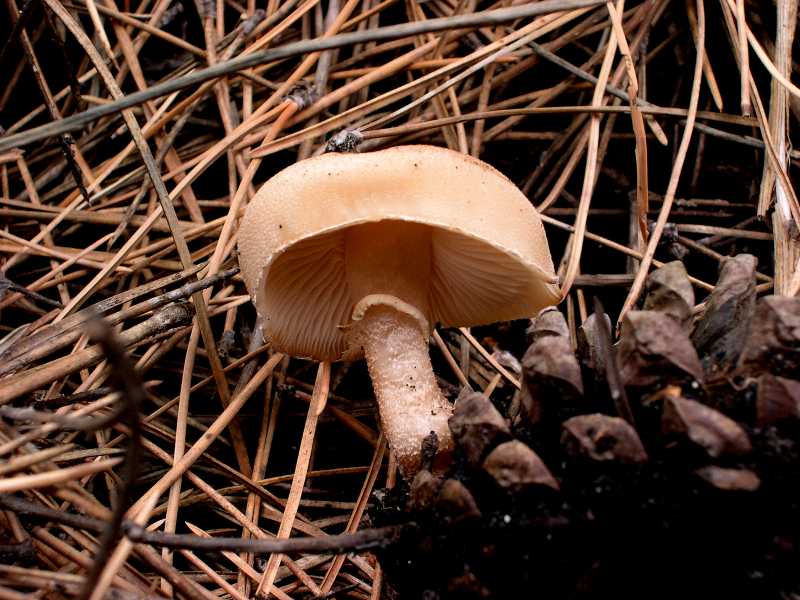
point(349, 542)
point(22, 18)
point(26, 508)
point(127, 380)
point(7, 285)
point(67, 142)
point(67, 399)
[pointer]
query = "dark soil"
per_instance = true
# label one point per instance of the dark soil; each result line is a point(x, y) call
point(656, 531)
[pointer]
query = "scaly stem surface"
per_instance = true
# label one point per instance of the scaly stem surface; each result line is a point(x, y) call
point(410, 402)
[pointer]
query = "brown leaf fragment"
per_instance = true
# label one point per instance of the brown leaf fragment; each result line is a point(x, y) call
point(603, 438)
point(549, 322)
point(590, 345)
point(549, 369)
point(741, 480)
point(670, 292)
point(456, 502)
point(721, 331)
point(467, 585)
point(773, 343)
point(515, 467)
point(424, 489)
point(716, 433)
point(477, 426)
point(654, 349)
point(777, 399)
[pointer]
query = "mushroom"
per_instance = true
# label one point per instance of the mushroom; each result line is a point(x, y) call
point(350, 255)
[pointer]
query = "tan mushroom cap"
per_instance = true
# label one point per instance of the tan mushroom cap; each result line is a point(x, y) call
point(489, 253)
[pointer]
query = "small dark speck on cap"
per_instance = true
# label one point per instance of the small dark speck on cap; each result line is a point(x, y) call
point(280, 226)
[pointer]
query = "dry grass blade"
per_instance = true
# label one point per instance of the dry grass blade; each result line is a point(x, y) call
point(642, 188)
point(256, 58)
point(9, 485)
point(358, 512)
point(142, 507)
point(589, 178)
point(315, 408)
point(677, 168)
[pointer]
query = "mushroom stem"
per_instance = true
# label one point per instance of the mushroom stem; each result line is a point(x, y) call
point(410, 402)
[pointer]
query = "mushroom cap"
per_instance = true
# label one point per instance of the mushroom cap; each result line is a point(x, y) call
point(489, 253)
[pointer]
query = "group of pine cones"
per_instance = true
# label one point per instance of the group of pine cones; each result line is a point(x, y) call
point(665, 465)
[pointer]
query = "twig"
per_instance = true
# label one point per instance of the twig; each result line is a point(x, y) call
point(20, 21)
point(54, 337)
point(365, 539)
point(14, 386)
point(7, 284)
point(132, 396)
